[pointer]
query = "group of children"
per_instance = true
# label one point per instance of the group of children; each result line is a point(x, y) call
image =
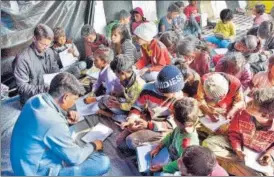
point(165, 80)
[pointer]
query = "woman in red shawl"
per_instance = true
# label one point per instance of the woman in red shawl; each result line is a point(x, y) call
point(138, 18)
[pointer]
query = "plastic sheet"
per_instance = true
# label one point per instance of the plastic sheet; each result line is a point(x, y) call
point(19, 19)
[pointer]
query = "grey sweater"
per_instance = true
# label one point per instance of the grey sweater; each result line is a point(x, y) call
point(128, 48)
point(269, 44)
point(29, 68)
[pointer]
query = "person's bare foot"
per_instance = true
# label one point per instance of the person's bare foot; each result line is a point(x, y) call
point(105, 113)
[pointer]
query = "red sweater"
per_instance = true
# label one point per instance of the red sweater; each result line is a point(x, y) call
point(155, 108)
point(158, 58)
point(201, 63)
point(242, 132)
point(233, 96)
point(191, 9)
point(91, 47)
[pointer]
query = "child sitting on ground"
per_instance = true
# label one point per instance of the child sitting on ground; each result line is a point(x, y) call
point(224, 31)
point(151, 118)
point(265, 79)
point(138, 18)
point(124, 18)
point(252, 128)
point(199, 161)
point(92, 41)
point(266, 32)
point(186, 26)
point(122, 44)
point(132, 84)
point(220, 94)
point(166, 23)
point(184, 135)
point(191, 77)
point(192, 9)
point(107, 79)
point(260, 15)
point(197, 59)
point(61, 44)
point(234, 63)
point(170, 40)
point(154, 53)
point(180, 20)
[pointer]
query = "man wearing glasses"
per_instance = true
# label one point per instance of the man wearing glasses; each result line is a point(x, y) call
point(35, 61)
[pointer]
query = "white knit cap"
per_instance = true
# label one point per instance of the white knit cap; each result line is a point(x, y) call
point(146, 31)
point(216, 86)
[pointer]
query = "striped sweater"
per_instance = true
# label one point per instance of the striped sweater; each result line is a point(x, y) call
point(155, 108)
point(127, 48)
point(269, 44)
point(244, 131)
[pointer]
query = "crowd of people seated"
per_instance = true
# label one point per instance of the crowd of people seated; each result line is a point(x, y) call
point(163, 79)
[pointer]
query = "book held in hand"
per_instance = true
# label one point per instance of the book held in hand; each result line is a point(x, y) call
point(145, 161)
point(67, 58)
point(99, 132)
point(48, 78)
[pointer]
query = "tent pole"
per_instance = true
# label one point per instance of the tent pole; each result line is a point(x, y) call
point(90, 12)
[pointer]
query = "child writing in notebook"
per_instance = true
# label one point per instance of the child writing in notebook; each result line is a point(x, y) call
point(191, 77)
point(220, 94)
point(150, 118)
point(122, 44)
point(224, 31)
point(251, 128)
point(197, 59)
point(132, 83)
point(170, 40)
point(107, 80)
point(184, 135)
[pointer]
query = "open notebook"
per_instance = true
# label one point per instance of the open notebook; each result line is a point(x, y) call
point(93, 73)
point(86, 109)
point(251, 161)
point(213, 125)
point(144, 158)
point(48, 78)
point(99, 132)
point(67, 58)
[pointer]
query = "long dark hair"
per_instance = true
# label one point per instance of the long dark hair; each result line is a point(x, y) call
point(123, 30)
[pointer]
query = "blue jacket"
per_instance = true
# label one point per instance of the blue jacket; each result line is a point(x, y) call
point(41, 140)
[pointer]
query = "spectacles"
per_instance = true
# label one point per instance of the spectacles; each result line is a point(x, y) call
point(44, 44)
